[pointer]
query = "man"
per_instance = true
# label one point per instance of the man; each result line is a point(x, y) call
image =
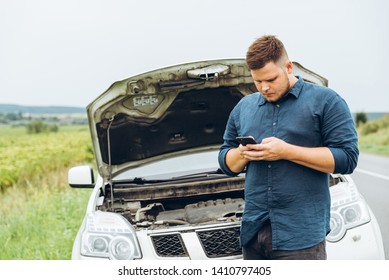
point(303, 133)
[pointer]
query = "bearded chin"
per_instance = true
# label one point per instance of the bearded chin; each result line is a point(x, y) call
point(287, 83)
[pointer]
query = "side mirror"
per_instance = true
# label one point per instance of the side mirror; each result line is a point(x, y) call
point(81, 177)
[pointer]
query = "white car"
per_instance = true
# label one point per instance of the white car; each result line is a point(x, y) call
point(159, 193)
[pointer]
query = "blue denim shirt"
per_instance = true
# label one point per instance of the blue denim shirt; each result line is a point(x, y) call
point(295, 198)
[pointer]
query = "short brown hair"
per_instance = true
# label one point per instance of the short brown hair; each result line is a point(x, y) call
point(263, 50)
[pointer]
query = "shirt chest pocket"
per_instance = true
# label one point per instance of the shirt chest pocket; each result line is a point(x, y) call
point(301, 129)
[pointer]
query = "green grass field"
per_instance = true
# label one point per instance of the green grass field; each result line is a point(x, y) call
point(374, 136)
point(40, 214)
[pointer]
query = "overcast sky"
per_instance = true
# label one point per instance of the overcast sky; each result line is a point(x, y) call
point(68, 52)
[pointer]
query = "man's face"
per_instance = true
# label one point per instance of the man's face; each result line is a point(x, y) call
point(272, 80)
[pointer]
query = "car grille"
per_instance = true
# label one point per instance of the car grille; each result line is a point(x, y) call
point(221, 242)
point(169, 245)
point(216, 243)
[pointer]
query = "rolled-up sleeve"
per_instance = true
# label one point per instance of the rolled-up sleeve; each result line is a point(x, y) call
point(229, 142)
point(340, 135)
point(222, 163)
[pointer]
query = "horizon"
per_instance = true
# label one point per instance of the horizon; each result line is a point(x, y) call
point(81, 107)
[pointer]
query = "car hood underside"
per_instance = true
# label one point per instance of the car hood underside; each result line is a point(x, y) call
point(167, 112)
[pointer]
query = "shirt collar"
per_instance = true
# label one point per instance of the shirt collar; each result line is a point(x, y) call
point(295, 91)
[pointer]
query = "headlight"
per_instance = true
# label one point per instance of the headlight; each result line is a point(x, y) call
point(121, 249)
point(109, 235)
point(348, 210)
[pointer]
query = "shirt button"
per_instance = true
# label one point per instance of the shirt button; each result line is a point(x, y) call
point(274, 123)
point(269, 188)
point(269, 166)
point(278, 105)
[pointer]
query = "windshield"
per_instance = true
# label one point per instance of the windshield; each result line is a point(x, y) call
point(174, 167)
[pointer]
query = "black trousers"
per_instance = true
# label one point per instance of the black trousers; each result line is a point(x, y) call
point(260, 248)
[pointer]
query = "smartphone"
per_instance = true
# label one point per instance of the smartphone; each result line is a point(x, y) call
point(244, 140)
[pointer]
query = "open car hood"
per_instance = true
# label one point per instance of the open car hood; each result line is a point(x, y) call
point(169, 111)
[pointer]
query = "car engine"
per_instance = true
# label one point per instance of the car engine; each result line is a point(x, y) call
point(200, 204)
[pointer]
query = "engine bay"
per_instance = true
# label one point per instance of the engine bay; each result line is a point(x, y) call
point(166, 205)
